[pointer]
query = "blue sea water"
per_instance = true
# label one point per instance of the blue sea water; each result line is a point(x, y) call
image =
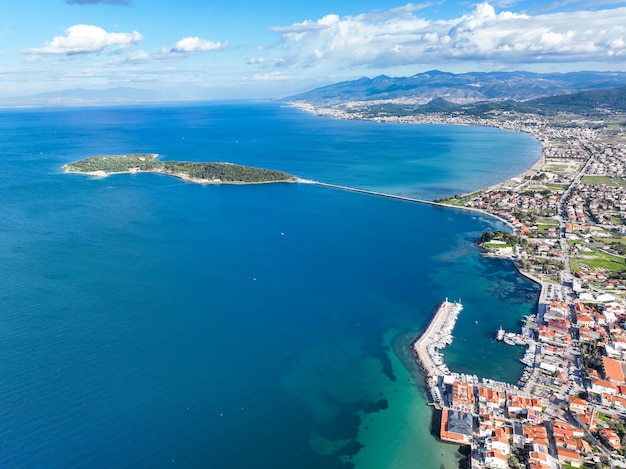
point(148, 322)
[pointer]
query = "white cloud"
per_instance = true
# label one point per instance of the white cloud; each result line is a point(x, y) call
point(85, 39)
point(138, 56)
point(399, 37)
point(93, 2)
point(297, 28)
point(409, 7)
point(190, 45)
point(255, 60)
point(183, 48)
point(273, 76)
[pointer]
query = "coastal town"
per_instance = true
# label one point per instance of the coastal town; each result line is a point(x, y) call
point(567, 216)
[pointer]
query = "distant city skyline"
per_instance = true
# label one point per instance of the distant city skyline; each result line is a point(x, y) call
point(242, 49)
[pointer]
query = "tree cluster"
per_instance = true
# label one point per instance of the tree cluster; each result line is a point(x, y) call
point(489, 236)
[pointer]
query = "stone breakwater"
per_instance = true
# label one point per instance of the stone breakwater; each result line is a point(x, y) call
point(435, 337)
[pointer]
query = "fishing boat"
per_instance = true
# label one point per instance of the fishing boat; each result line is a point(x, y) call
point(509, 338)
point(519, 340)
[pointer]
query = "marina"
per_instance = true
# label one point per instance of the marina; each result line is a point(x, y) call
point(525, 338)
point(438, 334)
point(435, 337)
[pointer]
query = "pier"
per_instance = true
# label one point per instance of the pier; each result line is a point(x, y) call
point(436, 336)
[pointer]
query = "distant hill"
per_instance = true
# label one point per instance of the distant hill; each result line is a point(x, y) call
point(462, 88)
point(613, 99)
point(586, 103)
point(84, 97)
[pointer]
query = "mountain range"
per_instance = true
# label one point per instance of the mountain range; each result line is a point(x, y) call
point(461, 88)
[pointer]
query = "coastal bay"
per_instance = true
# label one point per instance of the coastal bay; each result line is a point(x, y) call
point(137, 302)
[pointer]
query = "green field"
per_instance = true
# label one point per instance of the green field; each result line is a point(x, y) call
point(570, 167)
point(555, 187)
point(556, 168)
point(597, 259)
point(547, 221)
point(497, 245)
point(604, 181)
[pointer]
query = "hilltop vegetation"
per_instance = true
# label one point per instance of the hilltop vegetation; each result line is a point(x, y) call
point(613, 99)
point(192, 171)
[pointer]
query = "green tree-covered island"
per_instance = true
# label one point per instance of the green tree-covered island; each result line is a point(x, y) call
point(197, 172)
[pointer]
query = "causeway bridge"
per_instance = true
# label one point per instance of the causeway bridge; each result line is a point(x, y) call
point(406, 199)
point(370, 192)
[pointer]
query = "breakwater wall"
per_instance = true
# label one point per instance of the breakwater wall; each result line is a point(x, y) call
point(436, 336)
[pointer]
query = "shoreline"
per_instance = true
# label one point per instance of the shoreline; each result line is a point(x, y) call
point(536, 167)
point(425, 342)
point(202, 182)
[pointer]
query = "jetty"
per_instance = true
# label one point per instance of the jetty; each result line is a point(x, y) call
point(435, 337)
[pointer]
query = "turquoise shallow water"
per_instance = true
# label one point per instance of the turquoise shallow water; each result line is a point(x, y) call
point(149, 322)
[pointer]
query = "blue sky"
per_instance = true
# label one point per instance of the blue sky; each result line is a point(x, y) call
point(207, 49)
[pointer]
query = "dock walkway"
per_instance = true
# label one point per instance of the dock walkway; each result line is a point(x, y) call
point(437, 335)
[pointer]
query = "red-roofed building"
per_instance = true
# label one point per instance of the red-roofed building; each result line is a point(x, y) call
point(456, 427)
point(463, 396)
point(539, 457)
point(552, 350)
point(496, 459)
point(518, 405)
point(498, 443)
point(559, 325)
point(559, 426)
point(558, 308)
point(585, 320)
point(535, 434)
point(490, 399)
point(569, 456)
point(578, 405)
point(602, 386)
point(556, 338)
point(618, 402)
point(617, 309)
point(613, 370)
point(588, 421)
point(582, 308)
point(610, 437)
point(588, 333)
